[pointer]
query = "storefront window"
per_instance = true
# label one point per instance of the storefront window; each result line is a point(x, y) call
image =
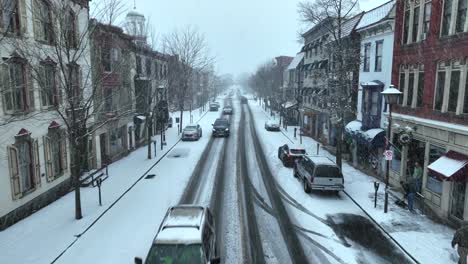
point(396, 147)
point(433, 184)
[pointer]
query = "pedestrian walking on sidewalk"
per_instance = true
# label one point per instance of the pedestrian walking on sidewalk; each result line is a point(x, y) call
point(411, 194)
point(417, 176)
point(460, 238)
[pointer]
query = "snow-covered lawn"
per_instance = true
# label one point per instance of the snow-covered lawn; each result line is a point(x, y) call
point(425, 240)
point(127, 229)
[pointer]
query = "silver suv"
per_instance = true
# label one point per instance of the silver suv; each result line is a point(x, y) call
point(319, 173)
point(186, 235)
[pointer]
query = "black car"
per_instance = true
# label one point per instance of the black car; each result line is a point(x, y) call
point(221, 128)
point(289, 154)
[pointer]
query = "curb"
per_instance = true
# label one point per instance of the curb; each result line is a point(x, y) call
point(119, 198)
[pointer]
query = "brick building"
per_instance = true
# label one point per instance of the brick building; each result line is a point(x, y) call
point(430, 68)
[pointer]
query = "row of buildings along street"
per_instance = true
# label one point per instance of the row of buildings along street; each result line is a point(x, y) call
point(79, 93)
point(333, 89)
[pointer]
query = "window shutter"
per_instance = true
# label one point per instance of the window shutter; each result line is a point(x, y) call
point(23, 20)
point(14, 172)
point(37, 164)
point(58, 87)
point(29, 88)
point(5, 84)
point(48, 159)
point(63, 150)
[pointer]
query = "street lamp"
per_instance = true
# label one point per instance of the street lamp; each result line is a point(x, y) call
point(391, 96)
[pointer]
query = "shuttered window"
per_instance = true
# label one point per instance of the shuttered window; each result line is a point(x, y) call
point(55, 153)
point(17, 94)
point(24, 166)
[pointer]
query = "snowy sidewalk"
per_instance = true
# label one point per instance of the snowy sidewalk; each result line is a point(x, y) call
point(41, 237)
point(427, 241)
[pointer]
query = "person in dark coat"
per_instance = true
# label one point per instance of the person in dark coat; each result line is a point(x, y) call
point(460, 238)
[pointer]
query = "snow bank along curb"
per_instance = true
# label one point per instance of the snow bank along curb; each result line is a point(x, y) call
point(120, 197)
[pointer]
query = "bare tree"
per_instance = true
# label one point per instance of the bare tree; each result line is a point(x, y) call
point(58, 59)
point(189, 46)
point(113, 10)
point(338, 18)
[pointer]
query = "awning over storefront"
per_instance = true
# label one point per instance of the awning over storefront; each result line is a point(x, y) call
point(373, 84)
point(353, 127)
point(372, 137)
point(289, 104)
point(451, 167)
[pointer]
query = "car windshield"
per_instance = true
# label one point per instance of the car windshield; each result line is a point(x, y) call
point(190, 127)
point(328, 171)
point(221, 123)
point(175, 254)
point(297, 151)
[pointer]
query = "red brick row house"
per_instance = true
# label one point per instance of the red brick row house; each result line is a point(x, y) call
point(430, 65)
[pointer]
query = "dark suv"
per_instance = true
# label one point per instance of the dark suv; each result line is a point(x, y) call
point(221, 127)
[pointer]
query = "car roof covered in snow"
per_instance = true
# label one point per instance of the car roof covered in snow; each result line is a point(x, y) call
point(321, 160)
point(296, 147)
point(182, 225)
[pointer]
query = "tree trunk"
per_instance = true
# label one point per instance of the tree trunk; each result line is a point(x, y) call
point(180, 121)
point(149, 134)
point(339, 142)
point(75, 174)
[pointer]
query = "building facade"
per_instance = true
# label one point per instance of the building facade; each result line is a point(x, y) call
point(34, 156)
point(430, 68)
point(376, 29)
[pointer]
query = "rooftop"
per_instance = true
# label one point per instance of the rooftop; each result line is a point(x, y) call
point(376, 15)
point(295, 62)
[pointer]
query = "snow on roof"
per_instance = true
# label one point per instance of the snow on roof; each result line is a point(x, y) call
point(447, 166)
point(141, 117)
point(375, 15)
point(353, 126)
point(348, 26)
point(372, 133)
point(179, 235)
point(184, 216)
point(296, 61)
point(321, 160)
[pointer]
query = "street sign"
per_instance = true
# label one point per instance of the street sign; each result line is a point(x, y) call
point(388, 155)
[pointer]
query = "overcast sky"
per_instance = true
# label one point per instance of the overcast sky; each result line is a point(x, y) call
point(241, 33)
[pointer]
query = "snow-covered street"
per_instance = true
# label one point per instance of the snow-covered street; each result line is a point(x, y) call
point(261, 211)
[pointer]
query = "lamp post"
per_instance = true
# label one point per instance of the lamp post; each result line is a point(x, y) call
point(391, 96)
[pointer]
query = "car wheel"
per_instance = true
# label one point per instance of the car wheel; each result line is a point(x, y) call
point(295, 172)
point(306, 186)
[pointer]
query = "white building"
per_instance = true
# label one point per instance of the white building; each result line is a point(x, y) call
point(34, 161)
point(376, 29)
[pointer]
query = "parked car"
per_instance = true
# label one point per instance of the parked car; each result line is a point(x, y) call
point(318, 173)
point(221, 127)
point(272, 125)
point(192, 132)
point(227, 110)
point(214, 107)
point(186, 235)
point(288, 155)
